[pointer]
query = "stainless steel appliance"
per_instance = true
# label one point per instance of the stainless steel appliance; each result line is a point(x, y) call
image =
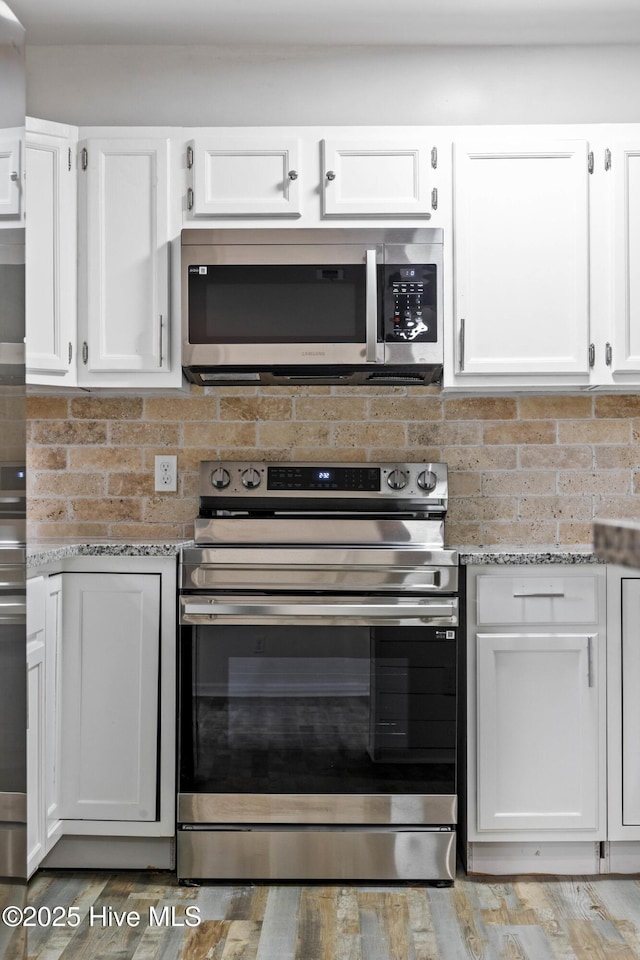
point(318, 662)
point(13, 785)
point(307, 306)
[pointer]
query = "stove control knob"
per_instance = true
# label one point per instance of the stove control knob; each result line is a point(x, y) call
point(427, 480)
point(397, 479)
point(220, 478)
point(251, 478)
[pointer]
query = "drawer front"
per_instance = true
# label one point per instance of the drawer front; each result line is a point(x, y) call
point(531, 600)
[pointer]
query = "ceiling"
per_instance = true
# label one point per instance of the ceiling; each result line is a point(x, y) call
point(318, 22)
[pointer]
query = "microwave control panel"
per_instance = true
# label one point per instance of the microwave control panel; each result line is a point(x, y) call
point(410, 304)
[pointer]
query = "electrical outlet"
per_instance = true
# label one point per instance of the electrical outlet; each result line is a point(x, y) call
point(166, 473)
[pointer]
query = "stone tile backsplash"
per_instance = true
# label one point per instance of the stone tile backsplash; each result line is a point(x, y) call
point(524, 471)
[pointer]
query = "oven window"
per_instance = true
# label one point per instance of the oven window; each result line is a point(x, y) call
point(277, 304)
point(315, 709)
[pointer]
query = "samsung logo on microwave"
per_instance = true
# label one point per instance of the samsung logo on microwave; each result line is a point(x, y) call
point(313, 353)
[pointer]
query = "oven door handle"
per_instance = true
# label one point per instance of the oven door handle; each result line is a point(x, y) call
point(205, 610)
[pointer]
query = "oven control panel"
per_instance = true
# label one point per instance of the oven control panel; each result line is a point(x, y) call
point(420, 481)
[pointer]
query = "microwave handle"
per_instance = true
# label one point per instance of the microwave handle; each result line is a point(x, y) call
point(371, 349)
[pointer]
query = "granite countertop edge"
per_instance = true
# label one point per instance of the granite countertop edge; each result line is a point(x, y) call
point(40, 554)
point(508, 557)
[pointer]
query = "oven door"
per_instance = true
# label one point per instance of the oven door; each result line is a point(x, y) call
point(318, 710)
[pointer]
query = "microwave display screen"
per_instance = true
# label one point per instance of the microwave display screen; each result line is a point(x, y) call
point(277, 304)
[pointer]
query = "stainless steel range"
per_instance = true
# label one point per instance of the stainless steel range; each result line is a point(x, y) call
point(318, 675)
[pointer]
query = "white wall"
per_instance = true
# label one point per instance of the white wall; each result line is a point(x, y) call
point(333, 85)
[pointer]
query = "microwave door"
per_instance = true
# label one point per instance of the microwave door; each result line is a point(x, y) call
point(282, 306)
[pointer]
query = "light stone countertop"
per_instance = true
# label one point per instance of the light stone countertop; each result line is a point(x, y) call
point(45, 552)
point(491, 555)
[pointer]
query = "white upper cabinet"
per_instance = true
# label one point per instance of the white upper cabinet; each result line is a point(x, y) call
point(51, 273)
point(311, 175)
point(10, 178)
point(244, 176)
point(378, 178)
point(623, 349)
point(125, 236)
point(521, 261)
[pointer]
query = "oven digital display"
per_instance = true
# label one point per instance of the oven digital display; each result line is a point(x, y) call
point(323, 478)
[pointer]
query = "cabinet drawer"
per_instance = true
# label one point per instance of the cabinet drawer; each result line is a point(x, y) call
point(552, 599)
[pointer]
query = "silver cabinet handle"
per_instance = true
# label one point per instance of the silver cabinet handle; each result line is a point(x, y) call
point(160, 343)
point(14, 176)
point(608, 354)
point(330, 175)
point(371, 316)
point(293, 174)
point(461, 343)
point(590, 681)
point(539, 593)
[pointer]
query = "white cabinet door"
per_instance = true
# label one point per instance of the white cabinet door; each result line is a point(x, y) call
point(10, 177)
point(110, 677)
point(362, 178)
point(53, 641)
point(124, 289)
point(36, 731)
point(630, 676)
point(51, 273)
point(624, 351)
point(538, 750)
point(245, 177)
point(521, 258)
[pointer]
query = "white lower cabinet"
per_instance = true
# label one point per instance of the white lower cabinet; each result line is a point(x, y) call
point(101, 739)
point(623, 668)
point(536, 716)
point(44, 827)
point(36, 737)
point(537, 738)
point(109, 687)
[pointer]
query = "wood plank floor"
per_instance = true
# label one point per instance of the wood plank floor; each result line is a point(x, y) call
point(477, 919)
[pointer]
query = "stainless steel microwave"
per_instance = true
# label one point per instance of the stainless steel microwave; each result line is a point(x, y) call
point(312, 305)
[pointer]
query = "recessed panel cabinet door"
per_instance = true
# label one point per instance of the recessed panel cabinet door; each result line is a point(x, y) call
point(109, 724)
point(624, 353)
point(537, 732)
point(51, 259)
point(521, 258)
point(630, 676)
point(125, 192)
point(36, 729)
point(376, 179)
point(10, 178)
point(234, 177)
